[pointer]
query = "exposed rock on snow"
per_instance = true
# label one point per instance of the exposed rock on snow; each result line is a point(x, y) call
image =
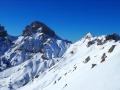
point(111, 49)
point(87, 59)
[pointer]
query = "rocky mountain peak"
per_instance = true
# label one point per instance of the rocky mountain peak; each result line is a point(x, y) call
point(37, 26)
point(88, 36)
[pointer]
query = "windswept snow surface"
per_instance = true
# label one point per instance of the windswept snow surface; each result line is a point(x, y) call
point(75, 72)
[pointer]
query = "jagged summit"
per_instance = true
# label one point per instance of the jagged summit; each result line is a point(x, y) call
point(88, 35)
point(100, 40)
point(37, 26)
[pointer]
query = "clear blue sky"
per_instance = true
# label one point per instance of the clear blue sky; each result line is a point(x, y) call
point(70, 19)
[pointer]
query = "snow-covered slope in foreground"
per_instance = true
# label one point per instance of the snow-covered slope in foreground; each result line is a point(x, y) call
point(93, 63)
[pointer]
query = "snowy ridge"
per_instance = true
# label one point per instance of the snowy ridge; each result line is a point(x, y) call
point(94, 67)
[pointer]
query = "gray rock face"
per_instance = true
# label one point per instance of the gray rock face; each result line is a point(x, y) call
point(37, 26)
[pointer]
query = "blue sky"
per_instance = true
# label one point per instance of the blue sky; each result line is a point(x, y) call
point(70, 19)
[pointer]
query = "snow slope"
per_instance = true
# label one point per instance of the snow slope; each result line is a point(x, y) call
point(83, 67)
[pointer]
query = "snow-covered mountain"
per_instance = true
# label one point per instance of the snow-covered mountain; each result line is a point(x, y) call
point(40, 60)
point(36, 50)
